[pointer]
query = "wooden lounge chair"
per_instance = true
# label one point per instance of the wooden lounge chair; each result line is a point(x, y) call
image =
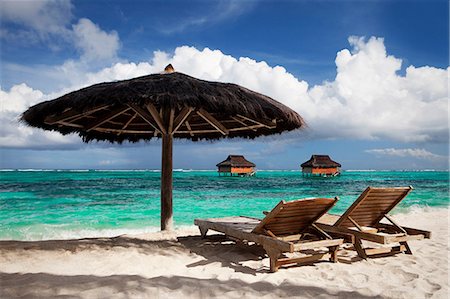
point(362, 219)
point(288, 228)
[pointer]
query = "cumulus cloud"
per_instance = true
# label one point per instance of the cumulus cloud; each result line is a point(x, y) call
point(418, 153)
point(17, 135)
point(94, 42)
point(368, 99)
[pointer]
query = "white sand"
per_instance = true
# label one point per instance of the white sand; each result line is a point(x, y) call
point(156, 265)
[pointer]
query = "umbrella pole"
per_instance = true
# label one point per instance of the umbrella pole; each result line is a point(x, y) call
point(166, 183)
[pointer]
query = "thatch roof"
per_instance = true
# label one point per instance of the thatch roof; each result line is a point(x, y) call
point(322, 161)
point(129, 109)
point(236, 161)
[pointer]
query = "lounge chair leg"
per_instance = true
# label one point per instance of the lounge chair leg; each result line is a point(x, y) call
point(273, 254)
point(408, 249)
point(359, 248)
point(333, 253)
point(203, 231)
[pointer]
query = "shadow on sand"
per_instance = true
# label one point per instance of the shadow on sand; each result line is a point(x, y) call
point(214, 249)
point(42, 285)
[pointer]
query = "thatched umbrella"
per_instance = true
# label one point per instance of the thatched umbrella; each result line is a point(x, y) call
point(168, 105)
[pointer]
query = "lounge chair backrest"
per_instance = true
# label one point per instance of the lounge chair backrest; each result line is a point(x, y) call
point(372, 205)
point(294, 217)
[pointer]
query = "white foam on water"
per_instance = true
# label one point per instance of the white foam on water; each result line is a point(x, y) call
point(53, 232)
point(419, 209)
point(56, 232)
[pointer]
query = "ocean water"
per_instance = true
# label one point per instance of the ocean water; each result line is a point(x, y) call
point(37, 205)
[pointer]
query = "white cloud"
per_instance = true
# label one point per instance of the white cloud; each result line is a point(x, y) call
point(44, 17)
point(418, 153)
point(49, 21)
point(15, 134)
point(94, 42)
point(367, 100)
point(120, 71)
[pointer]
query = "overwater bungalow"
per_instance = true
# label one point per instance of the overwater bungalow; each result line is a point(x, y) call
point(236, 165)
point(321, 165)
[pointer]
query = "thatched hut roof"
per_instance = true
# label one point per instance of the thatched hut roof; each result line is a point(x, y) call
point(322, 161)
point(236, 161)
point(119, 111)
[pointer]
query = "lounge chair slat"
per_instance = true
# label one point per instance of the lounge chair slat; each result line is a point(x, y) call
point(305, 208)
point(299, 208)
point(322, 204)
point(382, 209)
point(285, 228)
point(374, 212)
point(287, 214)
point(374, 197)
point(308, 205)
point(309, 201)
point(365, 219)
point(280, 226)
point(369, 205)
point(299, 212)
point(305, 213)
point(382, 200)
point(291, 219)
point(372, 215)
point(369, 214)
point(366, 216)
point(371, 200)
point(385, 192)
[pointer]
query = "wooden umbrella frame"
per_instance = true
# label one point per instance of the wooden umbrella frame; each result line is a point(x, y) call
point(165, 124)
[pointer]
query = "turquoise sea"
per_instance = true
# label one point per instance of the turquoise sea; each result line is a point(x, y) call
point(36, 205)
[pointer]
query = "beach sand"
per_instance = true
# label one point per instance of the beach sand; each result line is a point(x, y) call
point(160, 265)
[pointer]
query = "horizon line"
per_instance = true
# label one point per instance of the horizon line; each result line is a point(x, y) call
point(192, 169)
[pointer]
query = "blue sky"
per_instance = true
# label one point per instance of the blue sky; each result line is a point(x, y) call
point(369, 77)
